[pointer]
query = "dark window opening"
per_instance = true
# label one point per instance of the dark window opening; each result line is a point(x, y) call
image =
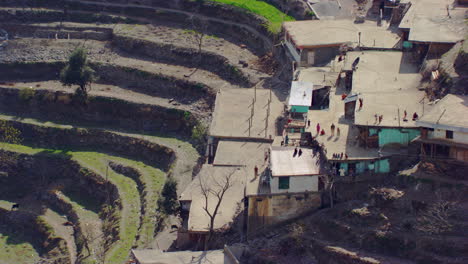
point(283, 183)
point(449, 134)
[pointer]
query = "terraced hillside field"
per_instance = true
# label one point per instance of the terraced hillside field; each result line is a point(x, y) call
point(82, 184)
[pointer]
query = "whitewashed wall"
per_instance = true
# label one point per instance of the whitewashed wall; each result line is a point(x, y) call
point(459, 137)
point(296, 184)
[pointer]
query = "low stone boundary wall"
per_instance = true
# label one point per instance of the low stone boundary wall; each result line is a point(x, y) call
point(98, 111)
point(96, 139)
point(23, 30)
point(184, 56)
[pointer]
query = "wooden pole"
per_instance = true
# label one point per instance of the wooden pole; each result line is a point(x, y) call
point(255, 93)
point(399, 117)
point(267, 118)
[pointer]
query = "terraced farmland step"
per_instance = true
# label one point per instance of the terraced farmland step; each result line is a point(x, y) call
point(88, 224)
point(169, 43)
point(112, 91)
point(166, 80)
point(127, 190)
point(57, 222)
point(186, 155)
point(16, 247)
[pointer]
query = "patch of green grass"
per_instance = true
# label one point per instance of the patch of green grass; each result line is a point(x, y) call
point(129, 195)
point(15, 248)
point(130, 202)
point(153, 179)
point(274, 16)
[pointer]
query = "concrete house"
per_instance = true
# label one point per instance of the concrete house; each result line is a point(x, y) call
point(386, 89)
point(431, 27)
point(294, 173)
point(310, 43)
point(300, 100)
point(289, 186)
point(196, 221)
point(365, 127)
point(444, 130)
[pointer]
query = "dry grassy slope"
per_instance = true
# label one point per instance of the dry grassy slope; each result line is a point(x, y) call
point(383, 228)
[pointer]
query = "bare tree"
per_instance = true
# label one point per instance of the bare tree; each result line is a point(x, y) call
point(93, 239)
point(436, 218)
point(328, 180)
point(213, 190)
point(196, 36)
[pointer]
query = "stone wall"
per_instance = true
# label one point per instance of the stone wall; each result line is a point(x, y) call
point(184, 56)
point(96, 139)
point(131, 78)
point(23, 30)
point(207, 8)
point(151, 83)
point(234, 32)
point(47, 15)
point(98, 111)
point(54, 247)
point(264, 211)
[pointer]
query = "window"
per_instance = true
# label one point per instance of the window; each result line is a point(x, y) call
point(283, 183)
point(449, 134)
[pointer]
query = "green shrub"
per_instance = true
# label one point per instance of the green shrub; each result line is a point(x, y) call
point(199, 132)
point(26, 94)
point(168, 200)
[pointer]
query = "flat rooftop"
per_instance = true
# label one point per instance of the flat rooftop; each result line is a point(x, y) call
point(316, 33)
point(346, 142)
point(248, 155)
point(238, 153)
point(319, 76)
point(428, 21)
point(233, 110)
point(325, 9)
point(284, 163)
point(154, 256)
point(213, 178)
point(301, 93)
point(387, 83)
point(451, 112)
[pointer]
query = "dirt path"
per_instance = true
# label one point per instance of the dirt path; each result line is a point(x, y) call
point(66, 232)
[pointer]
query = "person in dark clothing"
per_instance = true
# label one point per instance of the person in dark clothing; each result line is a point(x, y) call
point(308, 123)
point(332, 129)
point(300, 152)
point(415, 116)
point(295, 153)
